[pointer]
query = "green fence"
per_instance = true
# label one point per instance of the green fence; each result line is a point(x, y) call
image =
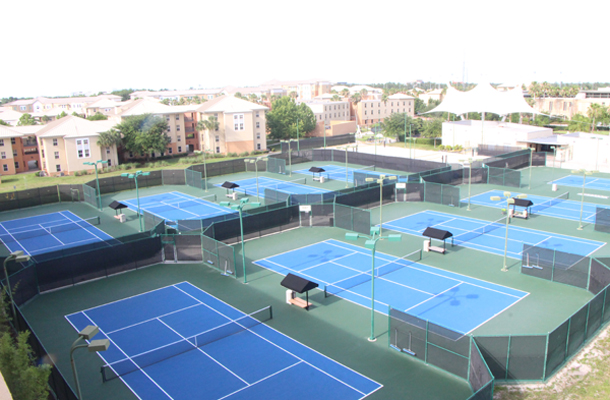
point(276, 165)
point(193, 179)
point(503, 177)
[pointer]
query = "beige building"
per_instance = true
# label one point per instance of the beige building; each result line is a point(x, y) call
point(18, 149)
point(329, 111)
point(204, 94)
point(568, 107)
point(241, 125)
point(67, 104)
point(369, 112)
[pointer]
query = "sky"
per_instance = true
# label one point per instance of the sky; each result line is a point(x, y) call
point(56, 48)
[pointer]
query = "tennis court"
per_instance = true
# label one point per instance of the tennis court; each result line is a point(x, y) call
point(490, 237)
point(590, 183)
point(448, 299)
point(179, 342)
point(297, 186)
point(50, 232)
point(556, 207)
point(176, 206)
point(338, 173)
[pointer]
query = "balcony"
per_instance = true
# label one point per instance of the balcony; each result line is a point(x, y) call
point(189, 129)
point(31, 150)
point(29, 143)
point(187, 119)
point(191, 136)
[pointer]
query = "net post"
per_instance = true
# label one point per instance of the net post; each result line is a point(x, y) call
point(270, 312)
point(103, 372)
point(389, 325)
point(587, 320)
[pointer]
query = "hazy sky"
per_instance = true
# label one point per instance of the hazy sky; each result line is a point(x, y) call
point(58, 47)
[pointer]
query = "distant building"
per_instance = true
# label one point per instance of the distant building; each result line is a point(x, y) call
point(470, 133)
point(568, 107)
point(370, 112)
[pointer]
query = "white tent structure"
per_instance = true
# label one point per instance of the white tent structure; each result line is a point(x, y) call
point(484, 98)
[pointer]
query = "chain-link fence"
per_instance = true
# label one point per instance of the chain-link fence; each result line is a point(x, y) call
point(276, 165)
point(317, 142)
point(173, 177)
point(496, 150)
point(602, 219)
point(28, 198)
point(556, 266)
point(90, 194)
point(193, 178)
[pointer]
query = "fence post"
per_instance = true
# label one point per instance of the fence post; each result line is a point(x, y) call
point(589, 274)
point(553, 266)
point(546, 356)
point(507, 356)
point(565, 355)
point(426, 348)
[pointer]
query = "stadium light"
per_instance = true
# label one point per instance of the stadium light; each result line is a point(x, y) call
point(19, 257)
point(509, 200)
point(380, 182)
point(239, 207)
point(97, 181)
point(255, 162)
point(584, 173)
point(289, 153)
point(371, 243)
point(93, 346)
point(135, 178)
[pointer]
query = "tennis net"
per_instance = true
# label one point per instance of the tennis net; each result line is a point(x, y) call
point(140, 361)
point(50, 230)
point(284, 186)
point(550, 203)
point(475, 233)
point(392, 266)
point(194, 202)
point(339, 173)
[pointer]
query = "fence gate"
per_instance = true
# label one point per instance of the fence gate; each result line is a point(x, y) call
point(168, 245)
point(401, 191)
point(305, 219)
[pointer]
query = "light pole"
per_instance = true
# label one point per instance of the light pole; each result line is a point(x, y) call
point(380, 182)
point(298, 141)
point(93, 346)
point(584, 173)
point(553, 167)
point(205, 171)
point(469, 161)
point(239, 207)
point(135, 178)
point(371, 243)
point(19, 257)
point(509, 201)
point(255, 162)
point(97, 181)
point(289, 154)
point(529, 186)
point(346, 148)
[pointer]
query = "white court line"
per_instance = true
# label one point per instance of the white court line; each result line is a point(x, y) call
point(436, 295)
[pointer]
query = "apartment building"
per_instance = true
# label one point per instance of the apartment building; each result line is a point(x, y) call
point(241, 125)
point(10, 116)
point(370, 112)
point(306, 89)
point(570, 106)
point(18, 149)
point(204, 94)
point(67, 104)
point(328, 111)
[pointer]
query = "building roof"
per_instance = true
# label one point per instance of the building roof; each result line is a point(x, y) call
point(175, 93)
point(71, 127)
point(105, 103)
point(229, 104)
point(6, 132)
point(10, 115)
point(400, 96)
point(146, 106)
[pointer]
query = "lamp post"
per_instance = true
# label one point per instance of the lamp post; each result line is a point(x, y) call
point(255, 162)
point(93, 346)
point(97, 181)
point(289, 154)
point(529, 186)
point(371, 243)
point(584, 173)
point(553, 167)
point(19, 257)
point(298, 141)
point(509, 201)
point(135, 178)
point(205, 171)
point(469, 161)
point(346, 148)
point(239, 207)
point(380, 182)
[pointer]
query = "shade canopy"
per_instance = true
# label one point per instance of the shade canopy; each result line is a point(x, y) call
point(437, 233)
point(115, 205)
point(522, 202)
point(229, 185)
point(298, 284)
point(484, 98)
point(316, 170)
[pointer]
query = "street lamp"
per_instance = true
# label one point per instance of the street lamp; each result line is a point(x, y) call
point(255, 162)
point(469, 161)
point(380, 182)
point(239, 207)
point(371, 243)
point(584, 173)
point(289, 154)
point(19, 257)
point(93, 346)
point(97, 181)
point(509, 201)
point(135, 178)
point(205, 171)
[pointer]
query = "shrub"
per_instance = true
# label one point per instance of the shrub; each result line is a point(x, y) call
point(232, 155)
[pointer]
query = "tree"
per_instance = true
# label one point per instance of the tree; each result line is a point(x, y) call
point(596, 112)
point(363, 93)
point(4, 123)
point(211, 124)
point(26, 119)
point(579, 123)
point(336, 97)
point(433, 128)
point(109, 138)
point(282, 119)
point(124, 93)
point(293, 95)
point(63, 114)
point(345, 92)
point(165, 101)
point(143, 134)
point(98, 116)
point(356, 98)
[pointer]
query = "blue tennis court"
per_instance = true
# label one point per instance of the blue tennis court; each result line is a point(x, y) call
point(179, 342)
point(490, 237)
point(298, 186)
point(176, 206)
point(51, 232)
point(338, 173)
point(557, 207)
point(445, 298)
point(590, 183)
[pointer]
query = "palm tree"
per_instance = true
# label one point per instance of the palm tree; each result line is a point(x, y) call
point(253, 98)
point(109, 138)
point(364, 93)
point(595, 111)
point(210, 124)
point(345, 92)
point(355, 98)
point(336, 97)
point(384, 98)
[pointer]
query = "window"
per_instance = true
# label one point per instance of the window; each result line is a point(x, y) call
point(177, 127)
point(16, 165)
point(14, 153)
point(167, 118)
point(258, 135)
point(1, 142)
point(378, 111)
point(177, 118)
point(364, 105)
point(13, 140)
point(217, 149)
point(54, 142)
point(238, 122)
point(178, 138)
point(5, 167)
point(42, 151)
point(107, 150)
point(392, 104)
point(257, 114)
point(258, 146)
point(258, 124)
point(130, 154)
point(22, 108)
point(364, 112)
point(82, 148)
point(3, 155)
point(57, 155)
point(109, 162)
point(170, 150)
point(58, 168)
point(217, 138)
point(179, 149)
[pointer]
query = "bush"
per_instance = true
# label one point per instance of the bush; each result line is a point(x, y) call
point(441, 147)
point(232, 155)
point(244, 154)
